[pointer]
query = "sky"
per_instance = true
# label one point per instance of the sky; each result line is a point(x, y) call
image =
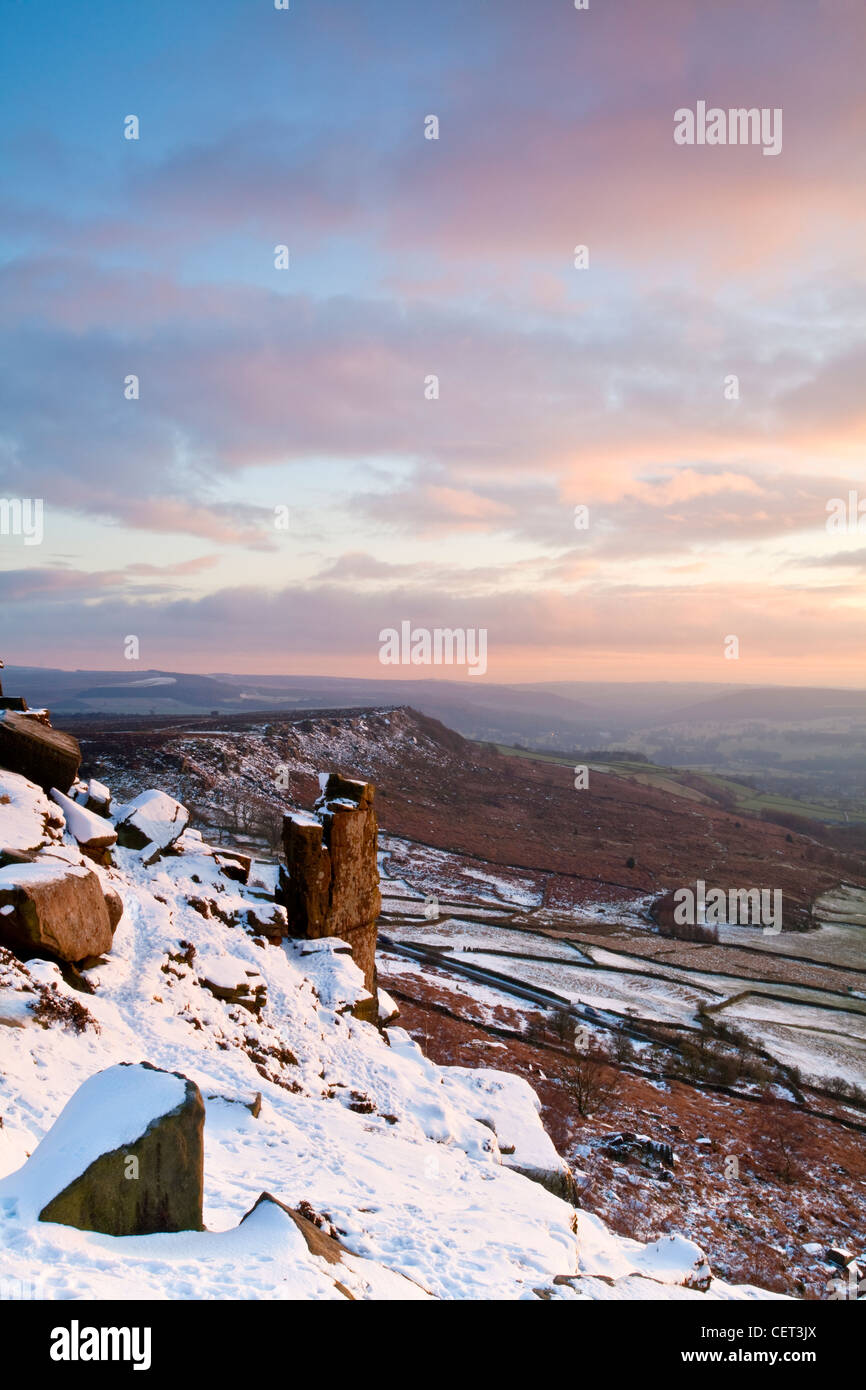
point(291, 480)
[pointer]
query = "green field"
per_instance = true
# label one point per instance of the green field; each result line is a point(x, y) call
point(673, 779)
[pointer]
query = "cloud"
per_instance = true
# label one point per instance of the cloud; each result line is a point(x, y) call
point(453, 257)
point(675, 634)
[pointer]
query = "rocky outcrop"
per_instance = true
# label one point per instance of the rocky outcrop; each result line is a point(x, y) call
point(150, 1174)
point(36, 751)
point(332, 886)
point(50, 907)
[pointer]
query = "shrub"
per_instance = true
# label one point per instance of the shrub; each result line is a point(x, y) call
point(53, 1007)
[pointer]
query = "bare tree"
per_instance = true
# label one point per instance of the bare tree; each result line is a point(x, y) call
point(592, 1083)
point(777, 1142)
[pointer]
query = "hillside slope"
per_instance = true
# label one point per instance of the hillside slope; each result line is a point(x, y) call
point(400, 1157)
point(438, 789)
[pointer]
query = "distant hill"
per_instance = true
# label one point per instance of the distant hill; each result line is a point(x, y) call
point(778, 703)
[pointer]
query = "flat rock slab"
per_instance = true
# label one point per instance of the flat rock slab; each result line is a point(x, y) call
point(125, 1156)
point(43, 755)
point(49, 906)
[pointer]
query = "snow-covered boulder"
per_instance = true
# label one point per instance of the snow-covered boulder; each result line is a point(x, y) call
point(234, 864)
point(153, 821)
point(124, 1157)
point(234, 980)
point(388, 1010)
point(53, 906)
point(674, 1259)
point(28, 820)
point(96, 797)
point(510, 1107)
point(92, 832)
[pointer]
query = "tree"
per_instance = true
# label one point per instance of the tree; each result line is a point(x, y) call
point(592, 1083)
point(777, 1142)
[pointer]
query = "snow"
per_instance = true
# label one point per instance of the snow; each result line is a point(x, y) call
point(305, 818)
point(387, 1007)
point(39, 873)
point(328, 963)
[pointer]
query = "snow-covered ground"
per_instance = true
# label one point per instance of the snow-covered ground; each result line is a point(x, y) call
point(415, 1165)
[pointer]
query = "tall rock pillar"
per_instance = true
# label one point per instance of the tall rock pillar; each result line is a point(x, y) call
point(332, 887)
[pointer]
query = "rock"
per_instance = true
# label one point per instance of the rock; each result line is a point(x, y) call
point(42, 716)
point(233, 980)
point(42, 754)
point(126, 1155)
point(97, 798)
point(95, 835)
point(839, 1257)
point(318, 1241)
point(653, 1153)
point(674, 1259)
point(332, 888)
point(268, 919)
point(234, 864)
point(114, 903)
point(275, 1227)
point(55, 908)
point(388, 1010)
point(151, 822)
